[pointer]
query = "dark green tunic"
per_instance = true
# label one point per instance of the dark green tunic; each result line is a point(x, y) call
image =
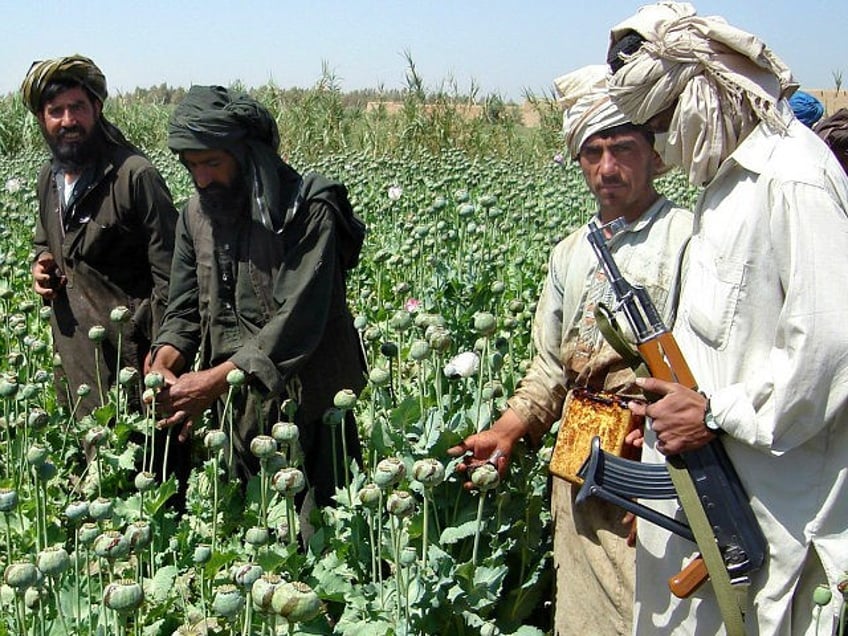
point(115, 249)
point(274, 304)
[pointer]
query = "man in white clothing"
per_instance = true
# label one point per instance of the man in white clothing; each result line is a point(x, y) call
point(761, 318)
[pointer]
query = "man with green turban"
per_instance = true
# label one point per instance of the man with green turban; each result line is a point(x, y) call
point(104, 236)
point(258, 285)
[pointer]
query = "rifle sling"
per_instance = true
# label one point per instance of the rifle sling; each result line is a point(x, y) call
point(608, 326)
point(731, 599)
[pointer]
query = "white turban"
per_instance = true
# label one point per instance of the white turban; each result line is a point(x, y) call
point(724, 80)
point(587, 106)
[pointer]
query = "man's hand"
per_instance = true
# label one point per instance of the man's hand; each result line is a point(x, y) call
point(493, 446)
point(46, 276)
point(677, 419)
point(190, 395)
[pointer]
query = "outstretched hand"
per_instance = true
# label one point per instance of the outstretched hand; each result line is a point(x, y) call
point(677, 418)
point(493, 446)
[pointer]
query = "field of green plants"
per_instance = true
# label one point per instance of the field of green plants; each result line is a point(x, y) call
point(462, 215)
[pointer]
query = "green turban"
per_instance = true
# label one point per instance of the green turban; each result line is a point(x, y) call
point(75, 68)
point(213, 118)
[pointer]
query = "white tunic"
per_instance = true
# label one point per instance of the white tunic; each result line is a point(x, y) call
point(763, 322)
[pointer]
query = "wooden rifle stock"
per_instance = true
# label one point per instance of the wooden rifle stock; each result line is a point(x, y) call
point(714, 483)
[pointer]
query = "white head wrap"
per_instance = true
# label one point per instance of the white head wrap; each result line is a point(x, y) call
point(587, 106)
point(725, 81)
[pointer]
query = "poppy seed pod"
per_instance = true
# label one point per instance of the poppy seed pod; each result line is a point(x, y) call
point(419, 350)
point(100, 508)
point(389, 472)
point(236, 378)
point(127, 375)
point(53, 561)
point(428, 471)
point(400, 504)
point(296, 602)
point(285, 432)
point(145, 481)
point(215, 439)
point(36, 455)
point(111, 545)
point(88, 532)
point(485, 477)
point(246, 574)
point(257, 536)
point(97, 333)
point(123, 596)
point(289, 481)
point(202, 554)
point(120, 314)
point(228, 601)
point(139, 534)
point(263, 446)
point(345, 400)
point(379, 376)
point(20, 575)
point(822, 595)
point(263, 589)
point(369, 496)
point(154, 380)
point(8, 499)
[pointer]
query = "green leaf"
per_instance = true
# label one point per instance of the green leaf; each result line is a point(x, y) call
point(457, 533)
point(159, 587)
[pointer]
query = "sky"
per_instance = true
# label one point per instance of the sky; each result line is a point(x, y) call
point(500, 47)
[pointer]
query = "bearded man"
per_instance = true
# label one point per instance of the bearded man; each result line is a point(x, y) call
point(258, 284)
point(761, 318)
point(105, 229)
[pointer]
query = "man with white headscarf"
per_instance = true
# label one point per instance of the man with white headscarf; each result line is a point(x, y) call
point(594, 564)
point(761, 318)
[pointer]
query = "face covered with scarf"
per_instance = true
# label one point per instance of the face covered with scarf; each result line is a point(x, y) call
point(707, 83)
point(229, 142)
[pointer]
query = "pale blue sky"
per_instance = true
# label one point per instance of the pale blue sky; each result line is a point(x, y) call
point(503, 46)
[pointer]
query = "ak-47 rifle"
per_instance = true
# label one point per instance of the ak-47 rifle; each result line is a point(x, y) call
point(620, 481)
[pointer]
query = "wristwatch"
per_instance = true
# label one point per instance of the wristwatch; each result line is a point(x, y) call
point(709, 418)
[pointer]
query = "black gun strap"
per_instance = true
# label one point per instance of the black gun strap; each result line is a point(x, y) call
point(731, 599)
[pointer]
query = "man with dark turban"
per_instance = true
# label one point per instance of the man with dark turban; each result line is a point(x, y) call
point(258, 285)
point(594, 565)
point(104, 236)
point(761, 318)
point(834, 132)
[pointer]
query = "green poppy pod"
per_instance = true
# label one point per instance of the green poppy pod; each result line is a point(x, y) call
point(228, 601)
point(296, 602)
point(97, 333)
point(123, 596)
point(400, 504)
point(52, 561)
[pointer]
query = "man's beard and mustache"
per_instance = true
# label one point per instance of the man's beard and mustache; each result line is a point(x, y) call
point(224, 202)
point(74, 156)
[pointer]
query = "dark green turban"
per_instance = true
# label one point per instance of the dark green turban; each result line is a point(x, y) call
point(213, 118)
point(75, 68)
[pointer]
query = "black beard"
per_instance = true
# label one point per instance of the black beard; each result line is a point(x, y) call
point(74, 156)
point(222, 202)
